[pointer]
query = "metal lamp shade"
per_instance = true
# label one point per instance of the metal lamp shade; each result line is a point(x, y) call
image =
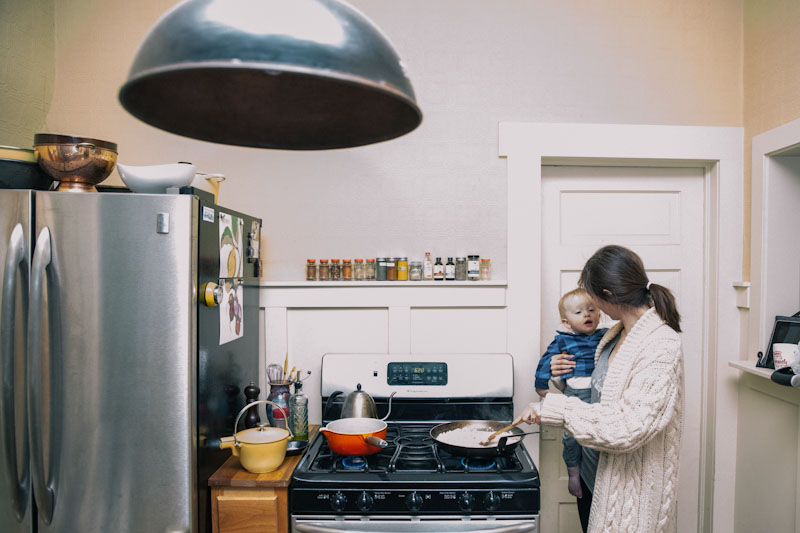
point(288, 74)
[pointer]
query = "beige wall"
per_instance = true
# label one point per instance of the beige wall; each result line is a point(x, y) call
point(771, 80)
point(27, 68)
point(473, 63)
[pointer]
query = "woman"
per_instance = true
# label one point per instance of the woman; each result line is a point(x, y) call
point(637, 383)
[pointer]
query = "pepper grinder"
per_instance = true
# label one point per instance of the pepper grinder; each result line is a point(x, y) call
point(251, 393)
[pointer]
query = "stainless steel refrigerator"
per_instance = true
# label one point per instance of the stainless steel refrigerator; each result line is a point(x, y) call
point(117, 380)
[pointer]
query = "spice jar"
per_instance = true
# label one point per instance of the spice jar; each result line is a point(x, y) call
point(370, 270)
point(402, 269)
point(473, 268)
point(347, 270)
point(461, 268)
point(450, 270)
point(336, 270)
point(391, 269)
point(358, 270)
point(311, 269)
point(415, 271)
point(381, 271)
point(438, 270)
point(324, 270)
point(486, 270)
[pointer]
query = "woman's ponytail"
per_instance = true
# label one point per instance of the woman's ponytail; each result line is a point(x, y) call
point(665, 305)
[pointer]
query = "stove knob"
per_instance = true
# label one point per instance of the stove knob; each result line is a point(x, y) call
point(365, 501)
point(465, 501)
point(414, 502)
point(491, 501)
point(338, 502)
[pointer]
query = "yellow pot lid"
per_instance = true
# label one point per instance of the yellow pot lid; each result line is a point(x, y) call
point(262, 435)
point(17, 154)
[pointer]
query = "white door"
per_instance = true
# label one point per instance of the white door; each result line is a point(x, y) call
point(658, 213)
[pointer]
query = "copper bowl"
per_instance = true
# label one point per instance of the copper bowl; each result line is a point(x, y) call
point(77, 163)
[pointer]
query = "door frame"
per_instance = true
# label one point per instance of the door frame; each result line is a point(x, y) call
point(719, 150)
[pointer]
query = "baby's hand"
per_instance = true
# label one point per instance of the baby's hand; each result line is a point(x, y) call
point(561, 364)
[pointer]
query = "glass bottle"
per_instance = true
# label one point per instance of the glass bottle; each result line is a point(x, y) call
point(450, 270)
point(438, 270)
point(278, 393)
point(415, 271)
point(461, 268)
point(427, 267)
point(311, 270)
point(381, 269)
point(370, 270)
point(486, 270)
point(359, 273)
point(336, 270)
point(324, 270)
point(391, 269)
point(473, 268)
point(402, 269)
point(298, 413)
point(347, 270)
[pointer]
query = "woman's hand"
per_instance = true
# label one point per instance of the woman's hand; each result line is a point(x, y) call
point(531, 414)
point(561, 363)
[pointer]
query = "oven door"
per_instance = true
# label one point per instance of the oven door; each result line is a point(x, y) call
point(402, 524)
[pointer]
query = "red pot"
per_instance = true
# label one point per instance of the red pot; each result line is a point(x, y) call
point(355, 436)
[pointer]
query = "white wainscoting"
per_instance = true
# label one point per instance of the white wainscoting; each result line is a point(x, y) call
point(309, 319)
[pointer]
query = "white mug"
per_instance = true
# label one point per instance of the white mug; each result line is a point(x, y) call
point(783, 354)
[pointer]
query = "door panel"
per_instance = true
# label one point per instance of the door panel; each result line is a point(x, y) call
point(15, 497)
point(118, 364)
point(658, 213)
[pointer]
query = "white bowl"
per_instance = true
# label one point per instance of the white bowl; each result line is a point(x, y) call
point(156, 179)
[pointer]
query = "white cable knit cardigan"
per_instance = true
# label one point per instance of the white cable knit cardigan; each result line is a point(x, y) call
point(636, 426)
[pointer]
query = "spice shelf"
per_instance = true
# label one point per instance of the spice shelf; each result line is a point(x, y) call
point(355, 284)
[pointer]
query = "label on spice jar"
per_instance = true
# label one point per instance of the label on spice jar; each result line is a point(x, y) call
point(473, 269)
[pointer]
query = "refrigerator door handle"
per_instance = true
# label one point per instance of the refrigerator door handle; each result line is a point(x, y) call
point(19, 484)
point(44, 491)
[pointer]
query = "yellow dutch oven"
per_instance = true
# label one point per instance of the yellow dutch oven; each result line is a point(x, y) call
point(261, 449)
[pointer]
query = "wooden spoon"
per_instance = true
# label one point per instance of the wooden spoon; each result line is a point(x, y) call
point(501, 430)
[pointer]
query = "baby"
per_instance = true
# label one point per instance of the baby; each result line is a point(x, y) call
point(580, 318)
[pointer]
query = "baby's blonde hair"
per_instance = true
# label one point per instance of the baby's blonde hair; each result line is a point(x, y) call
point(568, 295)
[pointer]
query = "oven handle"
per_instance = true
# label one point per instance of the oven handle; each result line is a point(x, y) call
point(516, 528)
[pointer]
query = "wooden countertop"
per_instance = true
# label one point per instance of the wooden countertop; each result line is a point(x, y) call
point(231, 473)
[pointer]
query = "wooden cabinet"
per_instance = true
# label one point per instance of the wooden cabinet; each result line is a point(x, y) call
point(245, 502)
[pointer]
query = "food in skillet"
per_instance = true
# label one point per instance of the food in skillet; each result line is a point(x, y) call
point(474, 437)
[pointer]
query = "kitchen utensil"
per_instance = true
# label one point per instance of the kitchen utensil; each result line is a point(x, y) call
point(156, 179)
point(19, 170)
point(212, 184)
point(275, 373)
point(515, 423)
point(355, 436)
point(77, 163)
point(285, 366)
point(503, 446)
point(260, 449)
point(295, 447)
point(358, 404)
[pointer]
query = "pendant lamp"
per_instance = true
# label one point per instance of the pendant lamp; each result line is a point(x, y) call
point(286, 74)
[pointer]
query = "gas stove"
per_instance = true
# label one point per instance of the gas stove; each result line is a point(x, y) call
point(413, 484)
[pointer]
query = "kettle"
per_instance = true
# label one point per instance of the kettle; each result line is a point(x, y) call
point(358, 404)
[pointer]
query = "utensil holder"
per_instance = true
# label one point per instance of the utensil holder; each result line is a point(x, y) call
point(279, 395)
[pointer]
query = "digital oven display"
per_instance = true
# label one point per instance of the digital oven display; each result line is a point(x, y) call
point(416, 374)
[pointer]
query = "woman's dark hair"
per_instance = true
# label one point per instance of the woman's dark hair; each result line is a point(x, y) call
point(616, 275)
